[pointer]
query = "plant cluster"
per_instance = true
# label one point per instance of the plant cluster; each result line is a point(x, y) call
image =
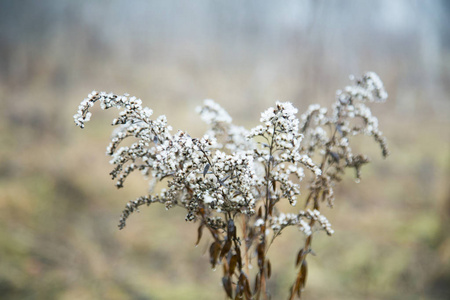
point(232, 180)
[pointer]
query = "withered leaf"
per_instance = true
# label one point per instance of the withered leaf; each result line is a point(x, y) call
point(300, 256)
point(269, 269)
point(257, 283)
point(239, 258)
point(246, 286)
point(214, 251)
point(304, 273)
point(300, 282)
point(226, 248)
point(231, 228)
point(199, 233)
point(260, 251)
point(239, 288)
point(227, 286)
point(232, 264)
point(241, 285)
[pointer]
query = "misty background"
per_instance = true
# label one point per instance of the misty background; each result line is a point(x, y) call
point(59, 209)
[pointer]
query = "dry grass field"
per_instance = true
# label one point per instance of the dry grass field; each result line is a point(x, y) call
point(59, 209)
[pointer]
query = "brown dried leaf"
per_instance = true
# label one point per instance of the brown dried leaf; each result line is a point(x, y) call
point(239, 258)
point(214, 251)
point(300, 257)
point(269, 269)
point(231, 229)
point(199, 233)
point(225, 269)
point(226, 281)
point(257, 283)
point(246, 283)
point(240, 287)
point(237, 297)
point(232, 264)
point(226, 248)
point(300, 282)
point(304, 273)
point(260, 251)
point(239, 291)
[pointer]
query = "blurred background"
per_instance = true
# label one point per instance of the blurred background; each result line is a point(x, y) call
point(59, 209)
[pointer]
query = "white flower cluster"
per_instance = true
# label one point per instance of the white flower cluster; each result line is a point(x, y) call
point(350, 108)
point(327, 133)
point(232, 170)
point(213, 114)
point(229, 137)
point(283, 220)
point(369, 88)
point(281, 149)
point(302, 220)
point(320, 219)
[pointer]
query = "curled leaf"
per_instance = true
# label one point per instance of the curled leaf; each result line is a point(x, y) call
point(199, 233)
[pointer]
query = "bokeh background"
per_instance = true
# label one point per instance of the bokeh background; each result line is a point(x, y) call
point(59, 209)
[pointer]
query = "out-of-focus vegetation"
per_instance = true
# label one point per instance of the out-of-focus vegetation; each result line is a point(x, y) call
point(59, 209)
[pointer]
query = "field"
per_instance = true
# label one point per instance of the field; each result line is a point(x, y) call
point(59, 209)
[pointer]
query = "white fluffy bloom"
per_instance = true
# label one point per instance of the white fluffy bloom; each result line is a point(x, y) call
point(211, 112)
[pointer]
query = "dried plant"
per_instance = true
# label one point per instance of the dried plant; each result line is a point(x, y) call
point(231, 180)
